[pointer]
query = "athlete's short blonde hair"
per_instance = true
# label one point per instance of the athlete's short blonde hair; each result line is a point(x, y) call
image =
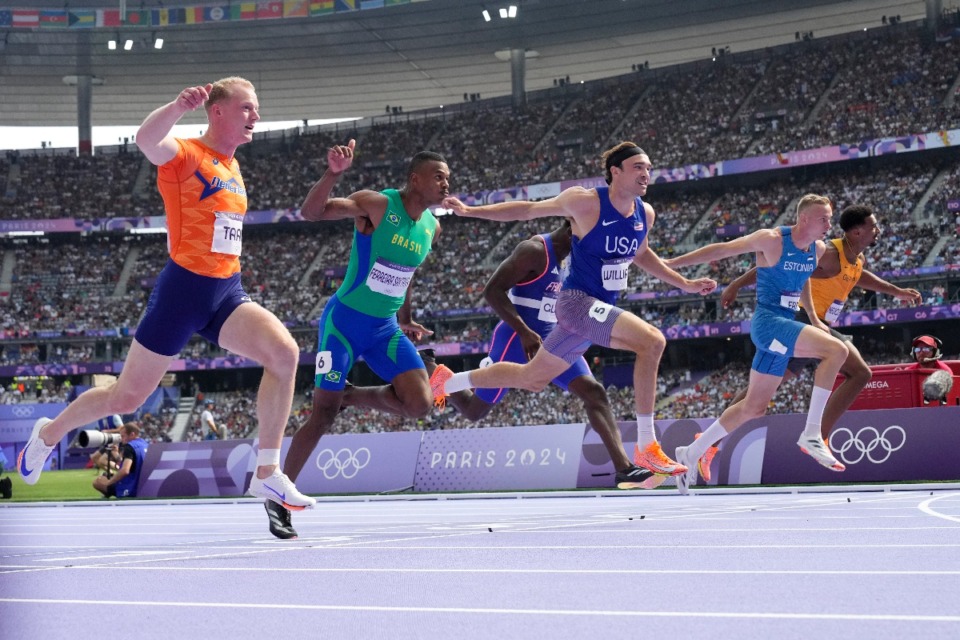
point(223, 89)
point(810, 200)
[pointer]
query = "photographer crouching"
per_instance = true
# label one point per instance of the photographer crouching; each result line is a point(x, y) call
point(129, 454)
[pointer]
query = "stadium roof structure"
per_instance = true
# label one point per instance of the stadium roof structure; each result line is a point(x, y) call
point(412, 55)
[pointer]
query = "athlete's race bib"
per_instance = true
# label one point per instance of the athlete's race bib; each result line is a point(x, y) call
point(389, 278)
point(614, 273)
point(548, 310)
point(790, 300)
point(227, 233)
point(833, 312)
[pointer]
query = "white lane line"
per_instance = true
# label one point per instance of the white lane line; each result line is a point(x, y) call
point(114, 555)
point(721, 572)
point(929, 510)
point(755, 615)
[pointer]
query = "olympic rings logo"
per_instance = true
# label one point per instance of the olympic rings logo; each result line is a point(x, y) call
point(22, 411)
point(344, 463)
point(868, 443)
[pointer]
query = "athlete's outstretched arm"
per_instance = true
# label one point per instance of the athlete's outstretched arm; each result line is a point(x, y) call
point(872, 282)
point(806, 301)
point(412, 329)
point(729, 294)
point(568, 203)
point(153, 136)
point(650, 262)
point(526, 262)
point(759, 241)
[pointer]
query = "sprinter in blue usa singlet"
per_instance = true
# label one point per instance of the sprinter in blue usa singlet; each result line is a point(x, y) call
point(610, 231)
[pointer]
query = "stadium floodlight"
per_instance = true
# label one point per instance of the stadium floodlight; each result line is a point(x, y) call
point(128, 45)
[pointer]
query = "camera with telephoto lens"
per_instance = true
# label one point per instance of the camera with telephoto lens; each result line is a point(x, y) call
point(93, 438)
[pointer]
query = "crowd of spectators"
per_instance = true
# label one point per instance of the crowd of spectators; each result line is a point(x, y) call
point(701, 113)
point(69, 288)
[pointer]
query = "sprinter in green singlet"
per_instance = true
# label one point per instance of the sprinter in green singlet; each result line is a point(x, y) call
point(369, 315)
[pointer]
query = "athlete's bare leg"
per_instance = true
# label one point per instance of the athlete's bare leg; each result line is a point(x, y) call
point(253, 332)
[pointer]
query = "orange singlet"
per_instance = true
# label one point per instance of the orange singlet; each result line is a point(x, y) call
point(205, 201)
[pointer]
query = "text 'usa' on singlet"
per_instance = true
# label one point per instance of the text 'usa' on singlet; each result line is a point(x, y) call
point(600, 261)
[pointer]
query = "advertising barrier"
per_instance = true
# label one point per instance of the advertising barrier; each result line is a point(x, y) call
point(349, 463)
point(876, 446)
point(504, 458)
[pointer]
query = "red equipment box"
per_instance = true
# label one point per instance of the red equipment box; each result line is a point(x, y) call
point(895, 387)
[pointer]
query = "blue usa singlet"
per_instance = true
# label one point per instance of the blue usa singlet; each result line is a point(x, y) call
point(600, 261)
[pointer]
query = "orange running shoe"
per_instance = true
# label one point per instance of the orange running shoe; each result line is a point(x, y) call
point(703, 464)
point(438, 381)
point(653, 458)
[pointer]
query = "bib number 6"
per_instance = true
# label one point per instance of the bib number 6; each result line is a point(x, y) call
point(324, 362)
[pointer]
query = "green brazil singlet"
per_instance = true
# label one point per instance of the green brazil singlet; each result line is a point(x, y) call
point(382, 264)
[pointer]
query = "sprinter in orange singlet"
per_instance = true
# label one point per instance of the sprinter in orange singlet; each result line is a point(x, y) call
point(199, 289)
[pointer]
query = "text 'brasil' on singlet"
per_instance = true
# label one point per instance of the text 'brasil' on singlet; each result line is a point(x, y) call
point(779, 286)
point(830, 294)
point(600, 261)
point(382, 264)
point(536, 299)
point(205, 200)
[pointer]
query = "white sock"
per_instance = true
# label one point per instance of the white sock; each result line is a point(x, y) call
point(714, 434)
point(818, 401)
point(646, 433)
point(458, 382)
point(268, 457)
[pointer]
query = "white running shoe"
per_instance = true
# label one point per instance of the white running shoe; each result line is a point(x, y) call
point(280, 489)
point(819, 451)
point(689, 478)
point(33, 456)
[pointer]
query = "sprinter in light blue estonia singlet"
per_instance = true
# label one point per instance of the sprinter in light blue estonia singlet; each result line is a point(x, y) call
point(779, 286)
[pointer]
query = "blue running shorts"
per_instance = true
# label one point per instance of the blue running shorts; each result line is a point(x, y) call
point(183, 303)
point(346, 335)
point(775, 337)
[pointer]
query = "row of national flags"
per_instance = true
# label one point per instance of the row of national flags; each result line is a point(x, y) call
point(262, 10)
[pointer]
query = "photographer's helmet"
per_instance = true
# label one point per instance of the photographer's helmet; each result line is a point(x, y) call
point(927, 342)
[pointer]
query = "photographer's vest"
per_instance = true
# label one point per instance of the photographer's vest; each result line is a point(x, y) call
point(127, 488)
